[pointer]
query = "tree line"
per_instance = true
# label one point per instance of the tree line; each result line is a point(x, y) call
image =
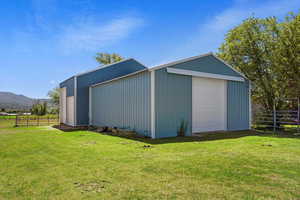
point(267, 51)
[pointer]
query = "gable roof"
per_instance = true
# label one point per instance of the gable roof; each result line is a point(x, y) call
point(114, 69)
point(190, 59)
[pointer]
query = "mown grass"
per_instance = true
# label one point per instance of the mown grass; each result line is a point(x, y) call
point(30, 116)
point(45, 163)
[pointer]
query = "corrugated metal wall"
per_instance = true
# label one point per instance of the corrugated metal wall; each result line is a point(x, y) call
point(98, 76)
point(173, 103)
point(69, 84)
point(208, 64)
point(124, 103)
point(237, 105)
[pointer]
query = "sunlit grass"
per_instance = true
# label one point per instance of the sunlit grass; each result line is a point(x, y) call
point(45, 163)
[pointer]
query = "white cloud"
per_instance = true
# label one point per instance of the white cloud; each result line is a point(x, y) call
point(91, 35)
point(211, 32)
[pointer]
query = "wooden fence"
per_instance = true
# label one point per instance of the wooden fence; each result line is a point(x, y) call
point(36, 120)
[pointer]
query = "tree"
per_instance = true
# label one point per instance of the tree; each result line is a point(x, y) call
point(266, 52)
point(288, 53)
point(54, 96)
point(106, 58)
point(39, 108)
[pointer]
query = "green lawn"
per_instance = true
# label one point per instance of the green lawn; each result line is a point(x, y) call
point(45, 163)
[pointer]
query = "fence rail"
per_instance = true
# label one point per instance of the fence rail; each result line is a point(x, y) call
point(280, 119)
point(36, 120)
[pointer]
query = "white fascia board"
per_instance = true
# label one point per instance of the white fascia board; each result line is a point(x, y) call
point(152, 99)
point(127, 75)
point(179, 61)
point(204, 74)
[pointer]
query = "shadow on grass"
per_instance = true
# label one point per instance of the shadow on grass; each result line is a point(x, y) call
point(196, 138)
point(201, 137)
point(207, 136)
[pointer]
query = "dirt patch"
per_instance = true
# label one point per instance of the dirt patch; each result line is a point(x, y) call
point(93, 186)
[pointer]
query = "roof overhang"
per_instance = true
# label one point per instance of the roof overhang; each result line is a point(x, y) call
point(203, 74)
point(194, 58)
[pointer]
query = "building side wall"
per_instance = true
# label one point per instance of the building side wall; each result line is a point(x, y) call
point(69, 84)
point(101, 75)
point(238, 105)
point(173, 103)
point(124, 103)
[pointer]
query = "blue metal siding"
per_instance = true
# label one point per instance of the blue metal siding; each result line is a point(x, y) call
point(124, 103)
point(69, 84)
point(173, 103)
point(101, 75)
point(237, 105)
point(208, 64)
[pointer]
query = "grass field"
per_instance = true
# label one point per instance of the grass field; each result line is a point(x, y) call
point(32, 116)
point(45, 163)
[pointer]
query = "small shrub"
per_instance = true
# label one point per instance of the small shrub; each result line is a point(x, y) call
point(182, 128)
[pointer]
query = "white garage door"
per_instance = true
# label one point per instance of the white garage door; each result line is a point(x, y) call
point(209, 105)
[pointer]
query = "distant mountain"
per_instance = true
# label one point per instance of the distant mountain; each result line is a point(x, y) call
point(9, 100)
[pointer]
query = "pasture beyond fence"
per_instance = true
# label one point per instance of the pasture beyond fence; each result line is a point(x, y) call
point(29, 120)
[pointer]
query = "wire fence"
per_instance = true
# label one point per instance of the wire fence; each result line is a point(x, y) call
point(28, 120)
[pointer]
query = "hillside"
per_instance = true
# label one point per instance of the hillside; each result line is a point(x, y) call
point(9, 100)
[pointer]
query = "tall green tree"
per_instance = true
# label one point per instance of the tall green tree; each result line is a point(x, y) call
point(54, 96)
point(106, 58)
point(39, 108)
point(288, 54)
point(265, 51)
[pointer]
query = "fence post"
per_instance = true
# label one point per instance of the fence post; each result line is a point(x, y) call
point(298, 127)
point(274, 117)
point(38, 120)
point(27, 121)
point(48, 121)
point(16, 121)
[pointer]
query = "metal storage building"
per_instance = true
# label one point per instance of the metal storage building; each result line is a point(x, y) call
point(202, 91)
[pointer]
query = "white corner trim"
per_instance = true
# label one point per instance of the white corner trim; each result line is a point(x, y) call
point(90, 106)
point(226, 105)
point(179, 61)
point(203, 74)
point(152, 93)
point(75, 100)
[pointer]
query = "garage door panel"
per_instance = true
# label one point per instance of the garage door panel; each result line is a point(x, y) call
point(209, 104)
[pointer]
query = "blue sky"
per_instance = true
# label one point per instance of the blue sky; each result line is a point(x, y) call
point(43, 42)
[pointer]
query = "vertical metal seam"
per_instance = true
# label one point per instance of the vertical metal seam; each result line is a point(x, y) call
point(152, 104)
